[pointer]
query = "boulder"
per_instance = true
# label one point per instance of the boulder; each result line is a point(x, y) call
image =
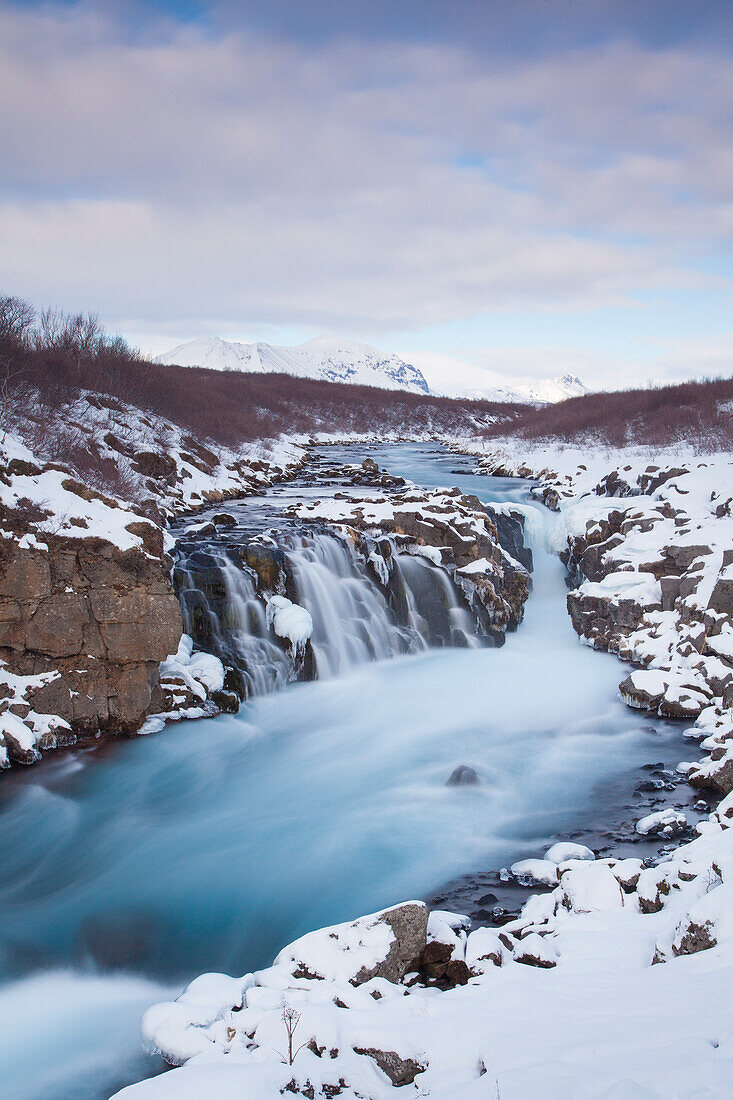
point(463, 776)
point(401, 1071)
point(693, 936)
point(385, 945)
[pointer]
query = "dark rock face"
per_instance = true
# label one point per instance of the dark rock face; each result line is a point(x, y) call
point(100, 617)
point(719, 779)
point(436, 967)
point(510, 533)
point(463, 776)
point(156, 466)
point(613, 485)
point(605, 622)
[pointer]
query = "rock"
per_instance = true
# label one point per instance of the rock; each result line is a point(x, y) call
point(692, 937)
point(715, 774)
point(392, 941)
point(682, 555)
point(721, 598)
point(463, 776)
point(510, 532)
point(653, 478)
point(534, 950)
point(156, 466)
point(224, 519)
point(670, 586)
point(613, 485)
point(409, 924)
point(643, 689)
point(665, 823)
point(401, 1071)
point(100, 617)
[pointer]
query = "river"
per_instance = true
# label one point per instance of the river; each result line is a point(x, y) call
point(131, 867)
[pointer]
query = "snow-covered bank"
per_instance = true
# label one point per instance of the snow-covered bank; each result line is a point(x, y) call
point(615, 984)
point(650, 549)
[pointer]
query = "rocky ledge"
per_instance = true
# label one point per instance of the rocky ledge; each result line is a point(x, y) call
point(454, 531)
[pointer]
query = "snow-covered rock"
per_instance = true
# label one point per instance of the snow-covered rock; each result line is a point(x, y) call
point(290, 621)
point(662, 823)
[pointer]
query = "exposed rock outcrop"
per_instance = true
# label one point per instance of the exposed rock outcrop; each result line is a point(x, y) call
point(98, 617)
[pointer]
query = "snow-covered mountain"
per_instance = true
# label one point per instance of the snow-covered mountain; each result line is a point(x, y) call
point(329, 358)
point(547, 392)
point(334, 359)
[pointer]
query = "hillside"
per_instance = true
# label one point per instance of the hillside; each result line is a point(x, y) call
point(50, 365)
point(695, 413)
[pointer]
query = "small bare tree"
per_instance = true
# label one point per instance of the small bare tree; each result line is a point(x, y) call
point(16, 318)
point(291, 1019)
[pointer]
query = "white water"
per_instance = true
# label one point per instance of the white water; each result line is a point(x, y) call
point(211, 845)
point(351, 620)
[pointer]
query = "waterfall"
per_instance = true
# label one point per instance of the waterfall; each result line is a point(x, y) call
point(434, 608)
point(352, 621)
point(224, 615)
point(367, 604)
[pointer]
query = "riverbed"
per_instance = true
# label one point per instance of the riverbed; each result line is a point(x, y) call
point(134, 866)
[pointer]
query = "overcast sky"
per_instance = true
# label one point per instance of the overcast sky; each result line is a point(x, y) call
point(529, 186)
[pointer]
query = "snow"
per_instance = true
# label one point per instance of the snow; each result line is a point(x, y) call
point(565, 850)
point(202, 673)
point(546, 392)
point(27, 733)
point(584, 995)
point(536, 870)
point(289, 620)
point(667, 822)
point(326, 357)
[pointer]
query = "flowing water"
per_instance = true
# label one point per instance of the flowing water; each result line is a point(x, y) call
point(130, 868)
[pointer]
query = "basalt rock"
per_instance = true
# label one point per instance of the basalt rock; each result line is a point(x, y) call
point(101, 617)
point(401, 1071)
point(463, 776)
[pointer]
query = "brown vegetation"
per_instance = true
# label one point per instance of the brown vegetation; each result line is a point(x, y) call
point(53, 355)
point(699, 413)
point(57, 354)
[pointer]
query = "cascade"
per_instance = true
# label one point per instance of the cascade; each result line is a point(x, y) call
point(365, 605)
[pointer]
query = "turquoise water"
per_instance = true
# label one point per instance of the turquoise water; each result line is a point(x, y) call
point(131, 868)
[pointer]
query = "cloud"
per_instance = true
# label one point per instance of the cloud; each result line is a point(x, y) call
point(657, 361)
point(180, 175)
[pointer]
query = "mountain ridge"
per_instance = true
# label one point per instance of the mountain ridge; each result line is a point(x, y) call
point(330, 358)
point(337, 359)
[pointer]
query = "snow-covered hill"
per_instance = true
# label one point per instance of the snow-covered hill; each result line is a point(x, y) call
point(546, 392)
point(326, 357)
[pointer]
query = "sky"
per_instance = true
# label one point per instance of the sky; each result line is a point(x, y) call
point(527, 187)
